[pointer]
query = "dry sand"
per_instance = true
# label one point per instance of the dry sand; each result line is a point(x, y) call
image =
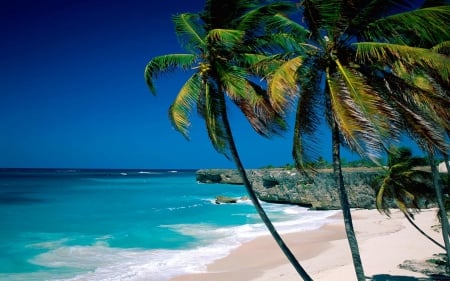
point(324, 253)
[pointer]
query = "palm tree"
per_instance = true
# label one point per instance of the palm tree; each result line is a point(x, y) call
point(349, 61)
point(442, 211)
point(219, 51)
point(401, 183)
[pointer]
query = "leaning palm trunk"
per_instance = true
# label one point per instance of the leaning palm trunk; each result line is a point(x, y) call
point(258, 207)
point(345, 206)
point(442, 211)
point(423, 232)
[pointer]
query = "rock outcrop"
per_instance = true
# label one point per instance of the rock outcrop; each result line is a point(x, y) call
point(317, 192)
point(225, 200)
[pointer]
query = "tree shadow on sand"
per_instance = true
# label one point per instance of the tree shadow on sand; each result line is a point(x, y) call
point(387, 277)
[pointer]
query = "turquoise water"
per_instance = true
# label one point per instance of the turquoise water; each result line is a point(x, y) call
point(124, 225)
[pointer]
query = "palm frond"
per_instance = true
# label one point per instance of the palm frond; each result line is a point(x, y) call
point(232, 80)
point(213, 110)
point(166, 63)
point(323, 15)
point(417, 89)
point(442, 48)
point(280, 23)
point(251, 60)
point(359, 133)
point(307, 120)
point(427, 26)
point(381, 194)
point(422, 129)
point(264, 14)
point(257, 109)
point(189, 30)
point(181, 108)
point(225, 37)
point(412, 57)
point(371, 103)
point(282, 88)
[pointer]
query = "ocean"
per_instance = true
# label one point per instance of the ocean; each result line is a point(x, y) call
point(132, 225)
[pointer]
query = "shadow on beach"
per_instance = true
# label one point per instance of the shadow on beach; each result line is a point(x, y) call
point(387, 277)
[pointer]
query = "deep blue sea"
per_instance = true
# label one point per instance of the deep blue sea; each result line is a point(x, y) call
point(125, 224)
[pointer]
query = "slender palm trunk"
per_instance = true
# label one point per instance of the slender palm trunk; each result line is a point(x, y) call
point(256, 203)
point(345, 205)
point(442, 211)
point(423, 232)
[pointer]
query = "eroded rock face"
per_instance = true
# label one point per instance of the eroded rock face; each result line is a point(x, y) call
point(318, 191)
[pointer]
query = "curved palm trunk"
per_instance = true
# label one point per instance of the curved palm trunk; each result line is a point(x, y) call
point(442, 211)
point(423, 232)
point(256, 203)
point(345, 205)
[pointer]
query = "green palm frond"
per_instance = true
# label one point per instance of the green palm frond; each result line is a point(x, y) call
point(420, 127)
point(166, 63)
point(250, 60)
point(345, 112)
point(401, 182)
point(321, 15)
point(363, 116)
point(233, 80)
point(431, 98)
point(285, 43)
point(371, 11)
point(264, 14)
point(282, 87)
point(307, 118)
point(189, 30)
point(428, 26)
point(213, 110)
point(442, 48)
point(259, 112)
point(412, 57)
point(281, 24)
point(181, 108)
point(372, 105)
point(262, 65)
point(379, 201)
point(225, 37)
point(416, 89)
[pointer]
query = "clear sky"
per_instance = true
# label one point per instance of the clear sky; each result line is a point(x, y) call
point(73, 93)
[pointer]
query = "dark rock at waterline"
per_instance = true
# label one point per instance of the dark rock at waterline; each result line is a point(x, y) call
point(225, 200)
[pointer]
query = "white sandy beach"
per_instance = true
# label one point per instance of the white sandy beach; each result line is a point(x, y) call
point(324, 253)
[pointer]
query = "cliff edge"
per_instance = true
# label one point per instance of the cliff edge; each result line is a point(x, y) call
point(317, 192)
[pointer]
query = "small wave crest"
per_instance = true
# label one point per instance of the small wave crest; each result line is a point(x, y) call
point(113, 264)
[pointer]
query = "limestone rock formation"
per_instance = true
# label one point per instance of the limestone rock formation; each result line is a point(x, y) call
point(317, 192)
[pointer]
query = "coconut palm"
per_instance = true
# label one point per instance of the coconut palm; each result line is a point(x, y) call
point(401, 183)
point(219, 51)
point(347, 61)
point(442, 211)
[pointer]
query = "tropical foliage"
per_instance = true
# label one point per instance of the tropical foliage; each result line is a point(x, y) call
point(402, 183)
point(372, 70)
point(221, 45)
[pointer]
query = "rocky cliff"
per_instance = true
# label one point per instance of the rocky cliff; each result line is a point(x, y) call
point(318, 192)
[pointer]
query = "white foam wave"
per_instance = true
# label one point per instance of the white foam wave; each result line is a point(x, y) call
point(99, 262)
point(104, 263)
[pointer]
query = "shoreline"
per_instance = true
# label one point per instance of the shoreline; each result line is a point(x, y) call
point(384, 243)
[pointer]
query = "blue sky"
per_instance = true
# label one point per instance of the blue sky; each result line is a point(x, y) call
point(73, 93)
